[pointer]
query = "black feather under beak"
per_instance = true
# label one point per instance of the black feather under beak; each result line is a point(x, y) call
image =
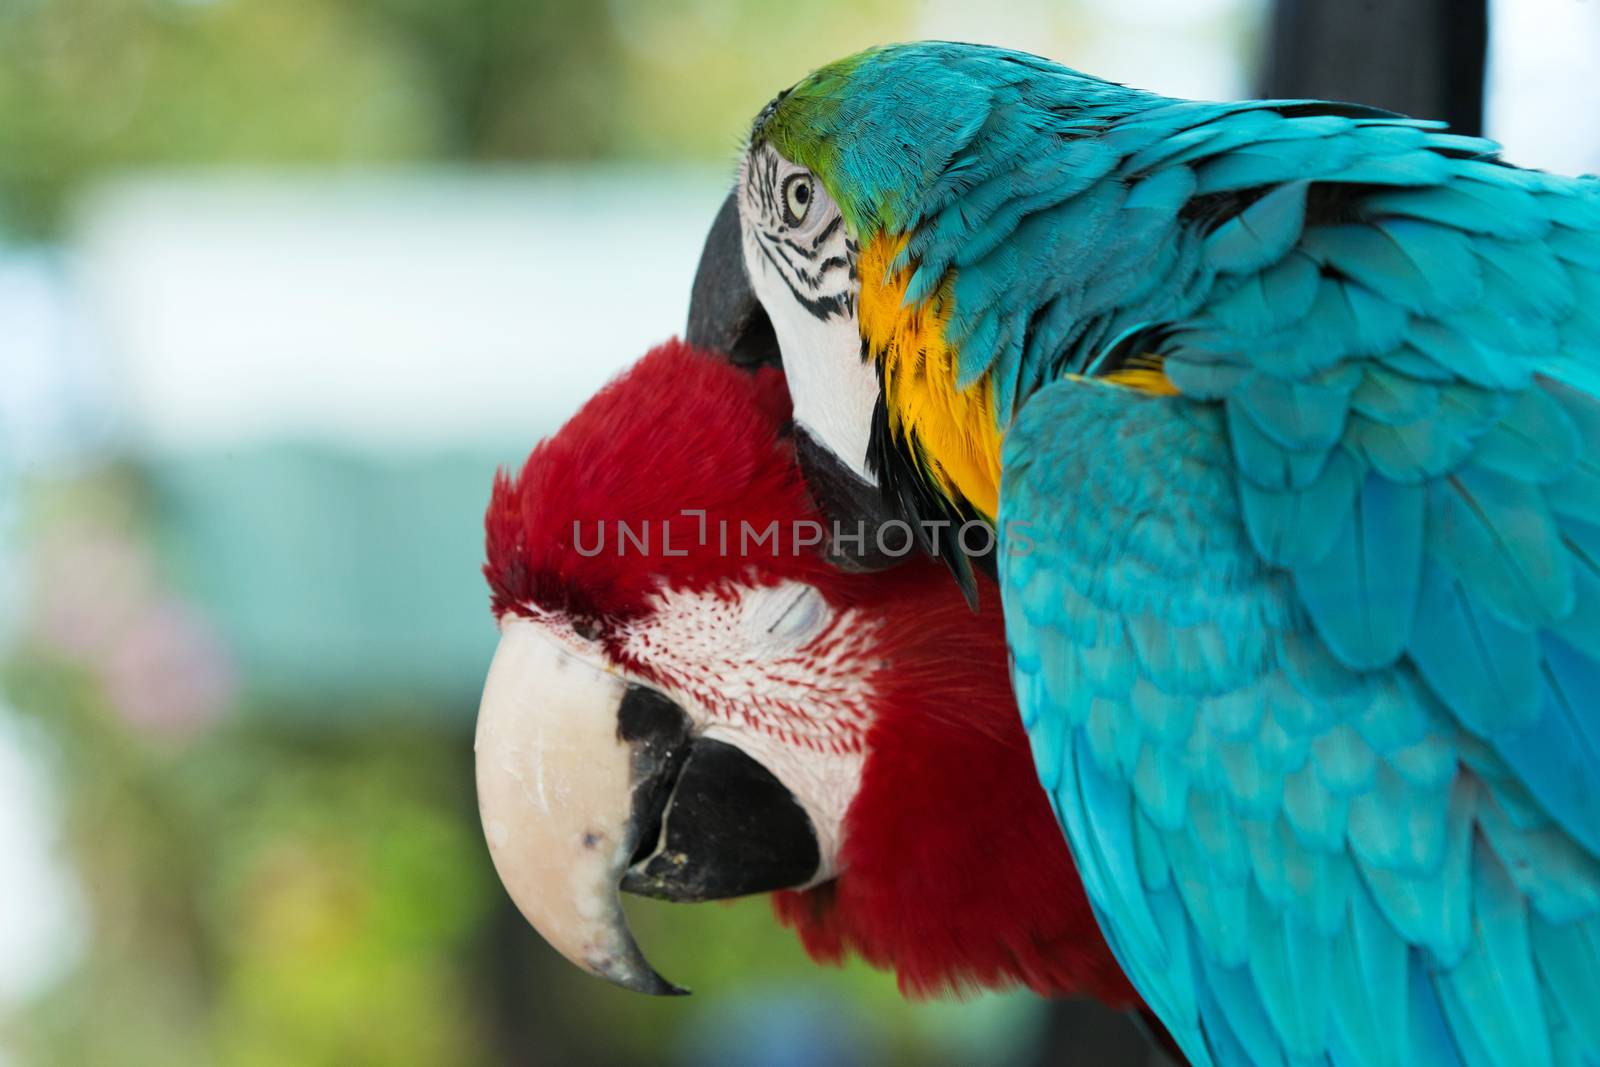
point(949, 530)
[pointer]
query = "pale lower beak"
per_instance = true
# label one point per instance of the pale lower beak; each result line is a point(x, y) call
point(587, 782)
point(555, 791)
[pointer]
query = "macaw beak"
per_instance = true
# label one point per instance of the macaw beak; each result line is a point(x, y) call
point(725, 316)
point(589, 784)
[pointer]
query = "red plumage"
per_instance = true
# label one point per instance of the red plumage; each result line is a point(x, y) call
point(954, 871)
point(678, 431)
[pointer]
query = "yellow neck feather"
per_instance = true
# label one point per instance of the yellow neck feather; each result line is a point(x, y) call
point(953, 431)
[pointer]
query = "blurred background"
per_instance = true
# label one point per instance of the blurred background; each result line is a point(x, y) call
point(281, 283)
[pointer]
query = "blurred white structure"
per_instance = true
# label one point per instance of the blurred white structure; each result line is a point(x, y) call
point(393, 311)
point(41, 917)
point(1198, 49)
point(1543, 95)
point(44, 389)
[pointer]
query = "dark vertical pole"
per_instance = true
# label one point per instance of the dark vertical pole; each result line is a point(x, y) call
point(1081, 1032)
point(1423, 58)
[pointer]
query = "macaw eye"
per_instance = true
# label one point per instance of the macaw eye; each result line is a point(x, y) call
point(786, 616)
point(797, 196)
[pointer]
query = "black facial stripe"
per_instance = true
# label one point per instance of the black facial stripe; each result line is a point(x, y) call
point(810, 253)
point(816, 278)
point(823, 308)
point(827, 232)
point(811, 279)
point(800, 273)
point(769, 183)
point(805, 269)
point(758, 186)
point(800, 280)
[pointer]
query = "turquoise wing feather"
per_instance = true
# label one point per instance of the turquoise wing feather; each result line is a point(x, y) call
point(1310, 653)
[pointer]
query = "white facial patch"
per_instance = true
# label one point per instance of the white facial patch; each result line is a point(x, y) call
point(776, 672)
point(802, 268)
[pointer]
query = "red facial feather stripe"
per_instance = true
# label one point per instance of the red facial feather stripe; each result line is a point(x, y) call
point(816, 696)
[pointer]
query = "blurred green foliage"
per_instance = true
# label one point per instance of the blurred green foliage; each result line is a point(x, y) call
point(91, 86)
point(237, 922)
point(87, 86)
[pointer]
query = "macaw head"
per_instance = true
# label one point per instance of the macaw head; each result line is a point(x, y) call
point(880, 201)
point(680, 710)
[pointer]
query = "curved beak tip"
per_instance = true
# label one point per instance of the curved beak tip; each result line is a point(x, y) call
point(635, 974)
point(589, 786)
point(554, 795)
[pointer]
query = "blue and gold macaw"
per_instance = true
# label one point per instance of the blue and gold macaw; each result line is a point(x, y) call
point(1286, 416)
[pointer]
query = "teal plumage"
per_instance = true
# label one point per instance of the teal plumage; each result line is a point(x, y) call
point(1298, 861)
point(1309, 652)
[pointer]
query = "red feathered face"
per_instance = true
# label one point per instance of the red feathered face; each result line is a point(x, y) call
point(678, 451)
point(689, 702)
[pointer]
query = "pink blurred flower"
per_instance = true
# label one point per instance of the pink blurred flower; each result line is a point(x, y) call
point(169, 673)
point(98, 602)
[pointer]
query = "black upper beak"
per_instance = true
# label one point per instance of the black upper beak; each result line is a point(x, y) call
point(725, 316)
point(711, 822)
